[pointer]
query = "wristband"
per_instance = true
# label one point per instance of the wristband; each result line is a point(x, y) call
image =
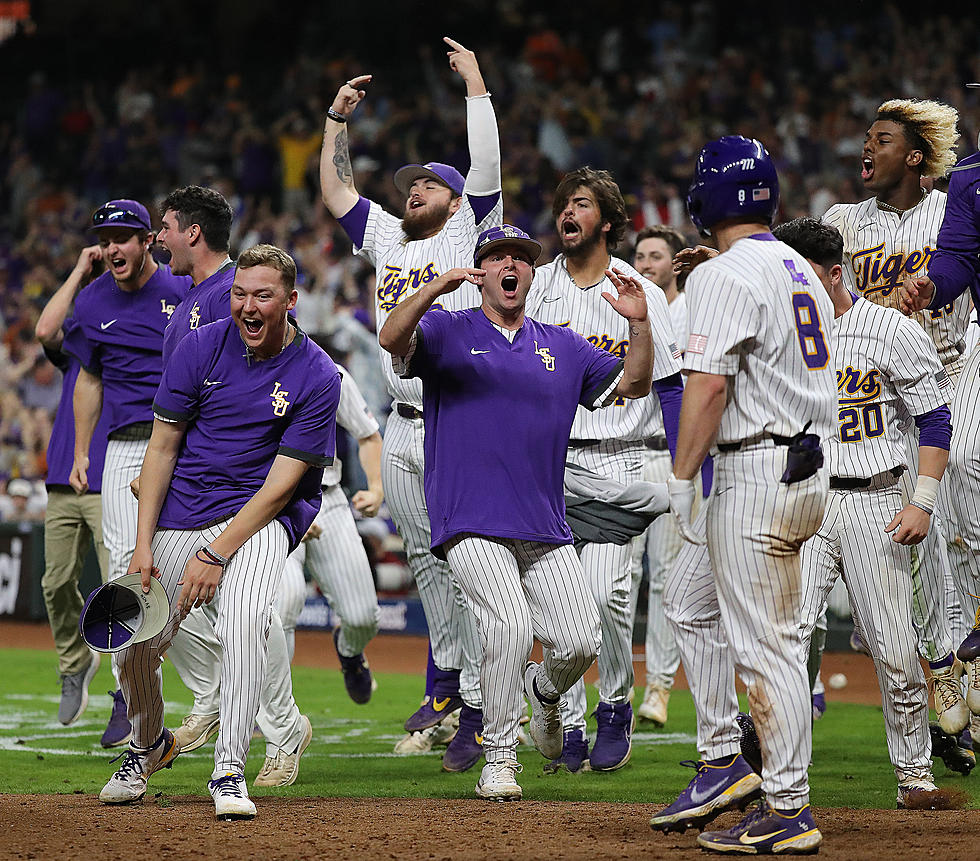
point(207, 560)
point(214, 555)
point(926, 491)
point(336, 116)
point(485, 95)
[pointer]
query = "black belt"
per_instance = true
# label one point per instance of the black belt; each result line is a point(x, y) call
point(862, 483)
point(656, 443)
point(135, 431)
point(407, 411)
point(583, 443)
point(735, 446)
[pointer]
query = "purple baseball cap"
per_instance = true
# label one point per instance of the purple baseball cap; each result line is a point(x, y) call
point(444, 173)
point(122, 213)
point(506, 234)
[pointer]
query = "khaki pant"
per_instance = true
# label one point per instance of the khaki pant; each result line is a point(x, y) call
point(70, 524)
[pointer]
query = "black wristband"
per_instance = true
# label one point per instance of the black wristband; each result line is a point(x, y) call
point(336, 116)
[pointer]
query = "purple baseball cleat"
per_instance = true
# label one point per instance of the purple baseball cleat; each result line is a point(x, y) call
point(767, 831)
point(119, 730)
point(466, 748)
point(357, 674)
point(613, 745)
point(720, 784)
point(969, 649)
point(749, 742)
point(574, 754)
point(432, 710)
point(819, 702)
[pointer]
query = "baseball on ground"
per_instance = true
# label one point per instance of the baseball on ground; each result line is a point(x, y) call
point(837, 681)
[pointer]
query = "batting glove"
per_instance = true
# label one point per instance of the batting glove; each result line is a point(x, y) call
point(681, 492)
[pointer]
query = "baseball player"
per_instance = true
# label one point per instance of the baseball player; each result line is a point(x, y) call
point(118, 342)
point(334, 553)
point(444, 214)
point(653, 259)
point(760, 393)
point(224, 547)
point(887, 367)
point(71, 521)
point(590, 217)
point(509, 544)
point(954, 270)
point(195, 228)
point(886, 237)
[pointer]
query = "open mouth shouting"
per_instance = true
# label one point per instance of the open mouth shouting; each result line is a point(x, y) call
point(569, 229)
point(253, 326)
point(867, 168)
point(508, 285)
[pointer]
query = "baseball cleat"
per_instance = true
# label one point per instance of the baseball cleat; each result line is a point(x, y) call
point(972, 669)
point(613, 739)
point(74, 691)
point(654, 705)
point(423, 740)
point(498, 781)
point(767, 831)
point(954, 753)
point(128, 784)
point(951, 709)
point(920, 795)
point(719, 785)
point(119, 730)
point(466, 748)
point(819, 703)
point(969, 649)
point(283, 768)
point(545, 727)
point(195, 731)
point(432, 711)
point(230, 795)
point(357, 675)
point(749, 743)
point(574, 754)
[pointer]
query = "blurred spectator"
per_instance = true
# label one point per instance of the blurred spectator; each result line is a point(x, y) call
point(20, 504)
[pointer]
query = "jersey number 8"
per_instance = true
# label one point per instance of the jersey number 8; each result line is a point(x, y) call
point(813, 344)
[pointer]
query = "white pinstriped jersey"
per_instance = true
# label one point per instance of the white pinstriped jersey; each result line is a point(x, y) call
point(759, 315)
point(883, 361)
point(555, 298)
point(354, 416)
point(402, 267)
point(880, 247)
point(678, 319)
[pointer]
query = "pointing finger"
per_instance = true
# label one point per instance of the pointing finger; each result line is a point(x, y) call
point(453, 44)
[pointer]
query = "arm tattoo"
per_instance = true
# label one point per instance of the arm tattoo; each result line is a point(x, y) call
point(634, 329)
point(341, 160)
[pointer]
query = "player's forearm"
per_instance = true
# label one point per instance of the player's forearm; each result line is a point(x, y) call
point(336, 173)
point(638, 364)
point(369, 454)
point(87, 407)
point(49, 323)
point(155, 475)
point(932, 461)
point(705, 397)
point(277, 489)
point(396, 334)
point(483, 176)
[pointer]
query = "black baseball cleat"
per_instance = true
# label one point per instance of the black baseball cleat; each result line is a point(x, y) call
point(955, 756)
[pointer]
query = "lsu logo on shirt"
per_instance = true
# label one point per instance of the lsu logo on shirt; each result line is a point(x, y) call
point(279, 402)
point(859, 411)
point(195, 319)
point(546, 358)
point(396, 284)
point(166, 309)
point(875, 273)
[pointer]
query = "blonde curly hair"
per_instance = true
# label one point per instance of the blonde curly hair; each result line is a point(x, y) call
point(929, 126)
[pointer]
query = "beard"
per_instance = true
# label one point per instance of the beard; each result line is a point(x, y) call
point(581, 244)
point(420, 223)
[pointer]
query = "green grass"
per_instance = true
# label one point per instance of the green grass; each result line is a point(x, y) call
point(351, 750)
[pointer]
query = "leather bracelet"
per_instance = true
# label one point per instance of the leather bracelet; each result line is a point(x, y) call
point(336, 116)
point(206, 559)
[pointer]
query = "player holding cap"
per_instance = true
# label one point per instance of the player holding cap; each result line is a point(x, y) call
point(761, 393)
point(509, 544)
point(118, 342)
point(224, 548)
point(444, 214)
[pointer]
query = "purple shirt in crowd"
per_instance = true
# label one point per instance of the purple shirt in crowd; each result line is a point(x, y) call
point(205, 303)
point(497, 420)
point(954, 266)
point(120, 339)
point(241, 414)
point(61, 445)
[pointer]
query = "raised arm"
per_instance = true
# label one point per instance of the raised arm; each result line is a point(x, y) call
point(48, 329)
point(631, 303)
point(336, 173)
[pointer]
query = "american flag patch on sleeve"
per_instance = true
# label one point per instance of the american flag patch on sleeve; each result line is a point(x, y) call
point(943, 380)
point(675, 350)
point(697, 343)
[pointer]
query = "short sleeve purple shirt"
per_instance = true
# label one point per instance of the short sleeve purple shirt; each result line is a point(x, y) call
point(240, 416)
point(120, 338)
point(205, 303)
point(497, 420)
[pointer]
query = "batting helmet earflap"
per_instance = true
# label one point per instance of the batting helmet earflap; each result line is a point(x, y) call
point(734, 177)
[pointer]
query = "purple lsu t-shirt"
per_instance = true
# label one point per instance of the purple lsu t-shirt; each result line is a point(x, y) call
point(497, 418)
point(241, 414)
point(205, 303)
point(61, 445)
point(120, 339)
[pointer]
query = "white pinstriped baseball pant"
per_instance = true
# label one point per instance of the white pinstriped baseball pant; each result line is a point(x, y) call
point(851, 544)
point(120, 509)
point(520, 590)
point(452, 628)
point(241, 613)
point(735, 603)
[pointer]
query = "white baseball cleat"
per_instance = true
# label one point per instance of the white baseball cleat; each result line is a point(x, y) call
point(545, 727)
point(951, 709)
point(283, 768)
point(424, 740)
point(128, 784)
point(498, 781)
point(654, 705)
point(230, 794)
point(195, 730)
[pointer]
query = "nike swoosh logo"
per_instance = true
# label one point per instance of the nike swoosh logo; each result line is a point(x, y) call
point(477, 352)
point(749, 841)
point(478, 737)
point(552, 299)
point(105, 326)
point(438, 704)
point(215, 383)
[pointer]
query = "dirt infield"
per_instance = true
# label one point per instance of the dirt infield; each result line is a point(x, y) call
point(78, 827)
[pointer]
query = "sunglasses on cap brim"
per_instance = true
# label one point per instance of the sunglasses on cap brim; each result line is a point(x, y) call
point(108, 215)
